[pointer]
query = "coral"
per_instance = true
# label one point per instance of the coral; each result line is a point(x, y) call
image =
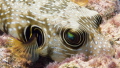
point(7, 58)
point(107, 8)
point(118, 6)
point(95, 62)
point(4, 57)
point(111, 29)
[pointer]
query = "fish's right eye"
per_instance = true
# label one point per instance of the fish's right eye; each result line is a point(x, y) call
point(34, 31)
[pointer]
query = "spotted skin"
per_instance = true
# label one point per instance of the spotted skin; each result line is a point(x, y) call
point(52, 18)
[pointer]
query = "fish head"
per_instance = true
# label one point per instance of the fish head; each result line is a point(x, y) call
point(71, 33)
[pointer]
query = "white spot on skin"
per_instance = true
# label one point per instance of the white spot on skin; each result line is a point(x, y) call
point(98, 37)
point(21, 16)
point(17, 19)
point(8, 22)
point(12, 22)
point(48, 24)
point(54, 34)
point(100, 42)
point(48, 36)
point(109, 46)
point(90, 51)
point(5, 25)
point(105, 42)
point(12, 14)
point(6, 0)
point(11, 18)
point(50, 42)
point(42, 22)
point(98, 52)
point(19, 27)
point(99, 46)
point(44, 29)
point(50, 29)
point(58, 44)
point(86, 50)
point(95, 48)
point(23, 21)
point(102, 38)
point(2, 14)
point(104, 45)
point(91, 46)
point(96, 42)
point(14, 28)
point(28, 21)
point(55, 39)
point(10, 29)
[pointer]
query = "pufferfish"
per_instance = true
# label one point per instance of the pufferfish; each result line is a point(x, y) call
point(54, 28)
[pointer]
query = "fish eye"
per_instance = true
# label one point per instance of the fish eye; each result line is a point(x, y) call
point(32, 32)
point(39, 35)
point(74, 39)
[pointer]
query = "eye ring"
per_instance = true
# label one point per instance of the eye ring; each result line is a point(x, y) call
point(74, 38)
point(34, 31)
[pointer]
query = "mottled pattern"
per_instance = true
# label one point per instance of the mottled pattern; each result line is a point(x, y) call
point(45, 23)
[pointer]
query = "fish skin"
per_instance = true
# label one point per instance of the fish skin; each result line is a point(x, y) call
point(53, 17)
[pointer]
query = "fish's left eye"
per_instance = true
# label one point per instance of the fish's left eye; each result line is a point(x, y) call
point(34, 31)
point(73, 39)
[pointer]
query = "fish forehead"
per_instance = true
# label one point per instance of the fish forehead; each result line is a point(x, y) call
point(16, 15)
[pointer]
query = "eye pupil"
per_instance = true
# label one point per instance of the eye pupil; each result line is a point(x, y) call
point(39, 35)
point(70, 36)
